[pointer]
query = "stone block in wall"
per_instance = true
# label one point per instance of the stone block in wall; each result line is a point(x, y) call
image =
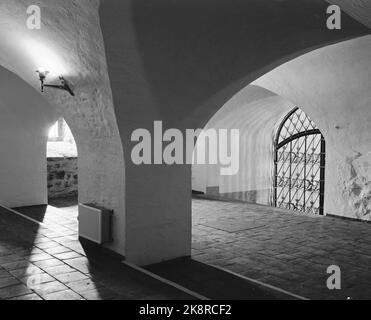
point(62, 177)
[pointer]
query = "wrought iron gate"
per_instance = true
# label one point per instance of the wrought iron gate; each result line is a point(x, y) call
point(299, 164)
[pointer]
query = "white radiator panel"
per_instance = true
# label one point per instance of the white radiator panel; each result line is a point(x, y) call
point(95, 223)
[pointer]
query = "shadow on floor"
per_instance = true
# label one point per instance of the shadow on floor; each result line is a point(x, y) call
point(66, 267)
point(212, 282)
point(35, 212)
point(38, 212)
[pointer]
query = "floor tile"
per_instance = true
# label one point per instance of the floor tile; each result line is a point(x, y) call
point(63, 295)
point(57, 270)
point(71, 277)
point(14, 291)
point(32, 296)
point(8, 282)
point(51, 287)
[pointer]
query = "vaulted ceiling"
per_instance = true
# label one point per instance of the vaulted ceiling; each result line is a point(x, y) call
point(358, 9)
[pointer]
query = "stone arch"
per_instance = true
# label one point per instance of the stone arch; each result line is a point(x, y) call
point(182, 73)
point(70, 49)
point(337, 100)
point(331, 85)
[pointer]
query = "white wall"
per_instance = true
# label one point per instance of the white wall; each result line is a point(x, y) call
point(182, 82)
point(24, 121)
point(256, 112)
point(332, 85)
point(70, 43)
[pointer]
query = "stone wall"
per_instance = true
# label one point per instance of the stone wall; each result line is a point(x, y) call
point(62, 177)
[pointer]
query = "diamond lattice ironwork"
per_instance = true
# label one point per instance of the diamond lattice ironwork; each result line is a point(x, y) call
point(299, 164)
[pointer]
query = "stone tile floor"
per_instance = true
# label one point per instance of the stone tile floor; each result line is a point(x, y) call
point(277, 247)
point(49, 263)
point(284, 249)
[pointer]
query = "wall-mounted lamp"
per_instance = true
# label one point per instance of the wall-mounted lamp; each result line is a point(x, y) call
point(64, 85)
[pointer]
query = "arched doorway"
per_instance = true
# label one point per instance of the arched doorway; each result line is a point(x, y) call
point(62, 162)
point(300, 155)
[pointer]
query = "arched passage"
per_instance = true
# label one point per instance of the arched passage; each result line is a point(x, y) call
point(62, 163)
point(182, 73)
point(281, 154)
point(70, 49)
point(150, 79)
point(337, 100)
